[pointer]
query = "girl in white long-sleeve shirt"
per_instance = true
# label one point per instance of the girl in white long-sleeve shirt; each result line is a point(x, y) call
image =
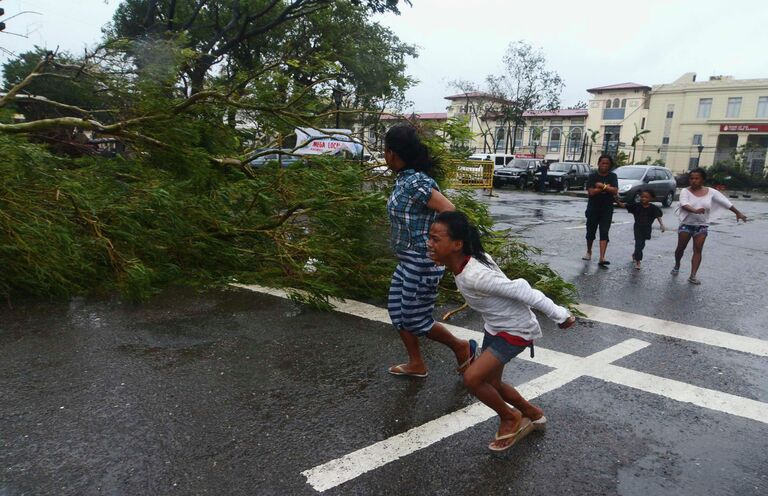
point(510, 325)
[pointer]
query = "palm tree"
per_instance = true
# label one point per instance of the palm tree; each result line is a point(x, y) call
point(535, 137)
point(639, 135)
point(593, 138)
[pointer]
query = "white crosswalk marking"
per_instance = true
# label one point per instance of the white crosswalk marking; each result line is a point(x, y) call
point(685, 332)
point(567, 368)
point(335, 472)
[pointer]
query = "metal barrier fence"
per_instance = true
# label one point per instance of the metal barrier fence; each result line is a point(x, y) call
point(472, 174)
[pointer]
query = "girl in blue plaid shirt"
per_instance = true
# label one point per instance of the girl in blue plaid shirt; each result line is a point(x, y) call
point(412, 207)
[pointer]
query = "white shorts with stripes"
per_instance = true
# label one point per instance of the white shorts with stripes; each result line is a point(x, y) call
point(413, 292)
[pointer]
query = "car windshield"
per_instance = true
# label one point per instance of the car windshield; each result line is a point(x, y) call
point(630, 172)
point(518, 163)
point(560, 167)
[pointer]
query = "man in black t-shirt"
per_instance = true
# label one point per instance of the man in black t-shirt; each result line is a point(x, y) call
point(602, 188)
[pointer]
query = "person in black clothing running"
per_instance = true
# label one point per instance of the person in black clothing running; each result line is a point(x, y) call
point(602, 187)
point(645, 213)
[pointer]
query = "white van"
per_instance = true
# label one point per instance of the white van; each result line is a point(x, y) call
point(499, 159)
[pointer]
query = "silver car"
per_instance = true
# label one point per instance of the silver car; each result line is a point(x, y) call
point(635, 178)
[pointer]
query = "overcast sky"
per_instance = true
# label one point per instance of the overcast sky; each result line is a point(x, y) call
point(590, 44)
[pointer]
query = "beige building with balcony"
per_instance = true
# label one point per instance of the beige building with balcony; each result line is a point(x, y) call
point(689, 122)
point(705, 122)
point(617, 112)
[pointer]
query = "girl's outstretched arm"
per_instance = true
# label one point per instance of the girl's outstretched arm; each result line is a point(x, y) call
point(496, 283)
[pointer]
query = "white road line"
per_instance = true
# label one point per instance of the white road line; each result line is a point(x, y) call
point(744, 344)
point(568, 368)
point(685, 332)
point(683, 392)
point(355, 464)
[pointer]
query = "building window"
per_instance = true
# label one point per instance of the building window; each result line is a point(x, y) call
point(519, 136)
point(574, 141)
point(554, 139)
point(615, 103)
point(762, 107)
point(613, 114)
point(623, 103)
point(642, 123)
point(696, 139)
point(500, 138)
point(705, 107)
point(670, 114)
point(607, 104)
point(534, 136)
point(734, 107)
point(665, 140)
point(693, 162)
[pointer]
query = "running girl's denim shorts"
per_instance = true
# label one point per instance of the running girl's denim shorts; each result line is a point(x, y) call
point(692, 230)
point(503, 350)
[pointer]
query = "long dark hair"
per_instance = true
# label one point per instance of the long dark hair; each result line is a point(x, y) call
point(460, 229)
point(404, 140)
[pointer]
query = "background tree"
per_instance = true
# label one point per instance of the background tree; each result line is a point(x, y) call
point(593, 134)
point(182, 205)
point(525, 84)
point(481, 108)
point(639, 136)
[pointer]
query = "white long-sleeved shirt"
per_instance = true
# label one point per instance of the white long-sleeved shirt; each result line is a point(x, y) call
point(709, 202)
point(505, 304)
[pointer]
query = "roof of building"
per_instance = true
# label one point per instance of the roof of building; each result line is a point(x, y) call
point(424, 116)
point(556, 113)
point(688, 82)
point(620, 86)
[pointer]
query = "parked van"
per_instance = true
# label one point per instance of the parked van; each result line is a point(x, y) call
point(499, 159)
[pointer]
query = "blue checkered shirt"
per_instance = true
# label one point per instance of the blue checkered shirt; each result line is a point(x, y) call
point(409, 215)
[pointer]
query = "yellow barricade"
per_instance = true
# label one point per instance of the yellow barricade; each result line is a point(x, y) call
point(472, 174)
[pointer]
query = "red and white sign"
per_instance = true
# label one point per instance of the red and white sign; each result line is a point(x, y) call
point(325, 141)
point(744, 128)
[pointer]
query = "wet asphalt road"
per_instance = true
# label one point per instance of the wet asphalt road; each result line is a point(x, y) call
point(234, 392)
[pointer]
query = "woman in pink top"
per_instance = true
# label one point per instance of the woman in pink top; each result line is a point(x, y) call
point(696, 203)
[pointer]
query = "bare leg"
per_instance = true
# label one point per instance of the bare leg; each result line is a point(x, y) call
point(682, 243)
point(460, 347)
point(514, 398)
point(589, 248)
point(476, 380)
point(698, 247)
point(415, 363)
point(603, 248)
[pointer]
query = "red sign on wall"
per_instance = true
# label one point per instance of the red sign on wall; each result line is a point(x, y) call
point(744, 128)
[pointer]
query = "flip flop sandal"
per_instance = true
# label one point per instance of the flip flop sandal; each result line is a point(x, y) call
point(674, 271)
point(587, 258)
point(568, 323)
point(399, 370)
point(525, 428)
point(540, 424)
point(693, 280)
point(604, 263)
point(472, 357)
